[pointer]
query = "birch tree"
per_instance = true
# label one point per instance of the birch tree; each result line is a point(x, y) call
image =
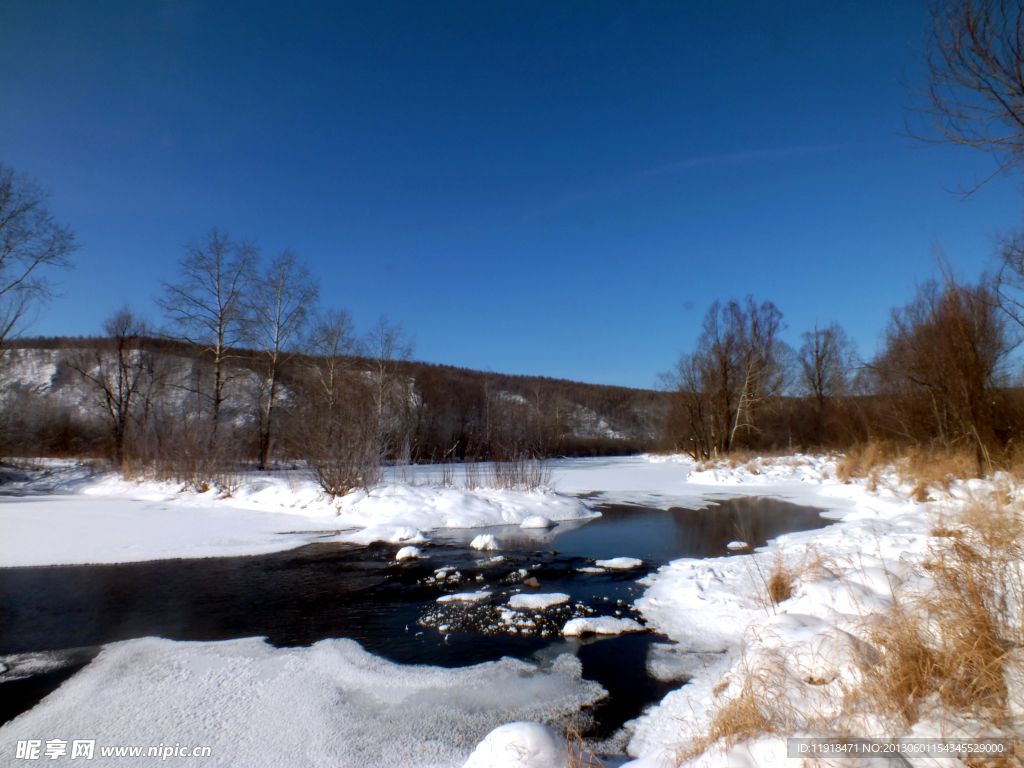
point(209, 307)
point(282, 302)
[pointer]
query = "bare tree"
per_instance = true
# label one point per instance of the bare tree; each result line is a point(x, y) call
point(340, 430)
point(762, 359)
point(738, 367)
point(386, 347)
point(32, 244)
point(941, 361)
point(974, 78)
point(826, 359)
point(209, 306)
point(332, 347)
point(121, 371)
point(282, 302)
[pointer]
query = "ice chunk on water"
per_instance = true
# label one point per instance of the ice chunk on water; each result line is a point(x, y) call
point(332, 704)
point(537, 521)
point(538, 602)
point(601, 625)
point(485, 541)
point(409, 553)
point(619, 562)
point(464, 597)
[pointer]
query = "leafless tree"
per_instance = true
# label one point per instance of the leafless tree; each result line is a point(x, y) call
point(121, 372)
point(941, 362)
point(386, 347)
point(210, 305)
point(332, 347)
point(340, 434)
point(738, 367)
point(281, 305)
point(826, 361)
point(974, 78)
point(761, 359)
point(32, 245)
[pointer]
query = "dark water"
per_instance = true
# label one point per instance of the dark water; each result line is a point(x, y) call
point(333, 590)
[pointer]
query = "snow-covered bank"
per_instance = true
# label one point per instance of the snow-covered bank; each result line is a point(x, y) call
point(66, 514)
point(332, 704)
point(811, 648)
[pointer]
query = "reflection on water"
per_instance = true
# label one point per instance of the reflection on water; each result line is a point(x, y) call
point(658, 536)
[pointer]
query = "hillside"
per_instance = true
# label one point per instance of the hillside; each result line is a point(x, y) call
point(439, 412)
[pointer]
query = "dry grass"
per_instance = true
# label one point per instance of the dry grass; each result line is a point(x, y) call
point(920, 493)
point(860, 460)
point(946, 654)
point(956, 644)
point(778, 582)
point(929, 469)
point(759, 707)
point(579, 754)
point(522, 473)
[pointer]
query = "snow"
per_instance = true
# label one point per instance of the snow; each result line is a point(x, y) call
point(409, 553)
point(71, 514)
point(431, 508)
point(601, 625)
point(464, 597)
point(485, 541)
point(537, 521)
point(331, 704)
point(737, 545)
point(620, 563)
point(406, 535)
point(538, 602)
point(712, 611)
point(65, 529)
point(520, 745)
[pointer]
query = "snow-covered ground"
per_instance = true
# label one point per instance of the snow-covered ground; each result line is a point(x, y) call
point(242, 694)
point(66, 514)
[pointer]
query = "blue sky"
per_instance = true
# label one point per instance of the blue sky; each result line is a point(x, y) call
point(549, 188)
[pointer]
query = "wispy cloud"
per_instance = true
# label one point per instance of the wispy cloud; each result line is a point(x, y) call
point(750, 156)
point(738, 158)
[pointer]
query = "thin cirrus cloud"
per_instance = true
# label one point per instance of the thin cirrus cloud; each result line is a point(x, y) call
point(629, 183)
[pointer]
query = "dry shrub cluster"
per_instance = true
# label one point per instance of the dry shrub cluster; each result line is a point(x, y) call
point(928, 468)
point(188, 453)
point(522, 473)
point(951, 652)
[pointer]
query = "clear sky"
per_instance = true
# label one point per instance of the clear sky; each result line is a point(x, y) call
point(551, 188)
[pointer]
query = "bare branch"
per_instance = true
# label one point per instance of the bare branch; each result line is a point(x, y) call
point(32, 244)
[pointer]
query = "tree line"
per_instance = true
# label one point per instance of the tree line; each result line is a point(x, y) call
point(942, 376)
point(248, 369)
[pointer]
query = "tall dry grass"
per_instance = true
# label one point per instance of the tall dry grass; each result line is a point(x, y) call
point(520, 473)
point(930, 470)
